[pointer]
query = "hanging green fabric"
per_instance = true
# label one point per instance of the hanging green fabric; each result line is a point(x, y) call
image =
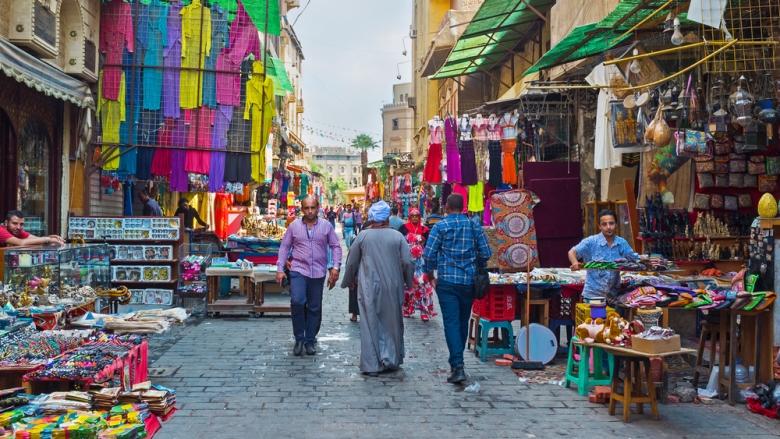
point(256, 11)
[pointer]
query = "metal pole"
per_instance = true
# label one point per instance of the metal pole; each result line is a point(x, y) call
point(265, 76)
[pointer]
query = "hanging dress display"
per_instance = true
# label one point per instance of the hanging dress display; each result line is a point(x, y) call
point(222, 117)
point(476, 197)
point(432, 173)
point(451, 143)
point(116, 34)
point(494, 151)
point(468, 161)
point(153, 35)
point(513, 219)
point(509, 144)
point(172, 60)
point(219, 38)
point(461, 190)
point(260, 104)
point(199, 136)
point(195, 47)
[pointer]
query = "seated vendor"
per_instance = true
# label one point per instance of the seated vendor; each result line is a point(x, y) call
point(602, 247)
point(12, 233)
point(190, 215)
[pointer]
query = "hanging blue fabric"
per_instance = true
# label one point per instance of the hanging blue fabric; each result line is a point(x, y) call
point(128, 198)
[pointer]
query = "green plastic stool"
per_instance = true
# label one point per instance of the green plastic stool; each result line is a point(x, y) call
point(483, 345)
point(582, 375)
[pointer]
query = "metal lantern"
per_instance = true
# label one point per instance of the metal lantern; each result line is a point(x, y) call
point(768, 115)
point(719, 124)
point(388, 160)
point(755, 137)
point(743, 107)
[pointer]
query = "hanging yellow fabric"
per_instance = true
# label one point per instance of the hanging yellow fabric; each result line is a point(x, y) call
point(195, 47)
point(256, 89)
point(112, 113)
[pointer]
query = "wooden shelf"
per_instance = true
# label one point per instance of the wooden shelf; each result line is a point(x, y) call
point(696, 238)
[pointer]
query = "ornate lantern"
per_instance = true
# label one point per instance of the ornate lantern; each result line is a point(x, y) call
point(768, 115)
point(719, 124)
point(743, 105)
point(755, 137)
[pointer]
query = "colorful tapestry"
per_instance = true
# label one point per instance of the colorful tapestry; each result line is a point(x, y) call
point(513, 220)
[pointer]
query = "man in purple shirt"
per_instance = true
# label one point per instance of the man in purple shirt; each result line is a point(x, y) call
point(309, 238)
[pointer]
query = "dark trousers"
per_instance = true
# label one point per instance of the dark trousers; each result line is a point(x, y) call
point(306, 306)
point(455, 302)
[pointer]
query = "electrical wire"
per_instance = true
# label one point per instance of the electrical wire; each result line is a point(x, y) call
point(302, 11)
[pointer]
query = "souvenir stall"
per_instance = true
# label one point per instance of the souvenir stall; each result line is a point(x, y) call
point(53, 284)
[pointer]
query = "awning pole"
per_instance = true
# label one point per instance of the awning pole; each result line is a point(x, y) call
point(642, 22)
point(689, 46)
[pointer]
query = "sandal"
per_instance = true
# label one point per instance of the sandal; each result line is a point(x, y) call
point(766, 301)
point(757, 297)
point(353, 320)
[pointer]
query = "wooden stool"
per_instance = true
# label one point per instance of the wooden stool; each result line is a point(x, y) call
point(632, 387)
point(544, 318)
point(471, 342)
point(713, 330)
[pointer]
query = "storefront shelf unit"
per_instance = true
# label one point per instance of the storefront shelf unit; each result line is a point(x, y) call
point(73, 265)
point(136, 242)
point(194, 259)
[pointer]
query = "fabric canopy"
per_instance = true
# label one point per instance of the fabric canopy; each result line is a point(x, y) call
point(256, 11)
point(592, 39)
point(496, 29)
point(41, 76)
point(277, 76)
point(281, 73)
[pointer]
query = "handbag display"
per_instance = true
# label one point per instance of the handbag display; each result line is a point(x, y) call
point(745, 201)
point(696, 143)
point(705, 180)
point(716, 201)
point(701, 201)
point(737, 163)
point(721, 164)
point(705, 166)
point(751, 181)
point(722, 180)
point(767, 183)
point(723, 146)
point(756, 168)
point(730, 202)
point(737, 180)
point(773, 166)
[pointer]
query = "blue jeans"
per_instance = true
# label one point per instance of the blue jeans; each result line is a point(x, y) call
point(455, 302)
point(306, 306)
point(349, 236)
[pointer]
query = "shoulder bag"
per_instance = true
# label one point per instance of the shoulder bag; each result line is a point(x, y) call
point(482, 278)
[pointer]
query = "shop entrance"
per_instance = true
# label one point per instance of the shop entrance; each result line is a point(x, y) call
point(7, 164)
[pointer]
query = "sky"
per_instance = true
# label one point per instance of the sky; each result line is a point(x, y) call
point(351, 50)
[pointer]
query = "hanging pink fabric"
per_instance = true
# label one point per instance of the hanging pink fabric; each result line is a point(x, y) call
point(457, 188)
point(199, 136)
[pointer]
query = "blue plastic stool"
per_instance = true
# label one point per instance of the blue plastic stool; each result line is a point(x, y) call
point(483, 342)
point(582, 376)
point(554, 324)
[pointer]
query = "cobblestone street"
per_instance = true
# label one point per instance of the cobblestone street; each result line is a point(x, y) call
point(236, 377)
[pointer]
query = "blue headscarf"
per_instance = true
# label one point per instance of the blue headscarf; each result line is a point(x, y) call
point(379, 212)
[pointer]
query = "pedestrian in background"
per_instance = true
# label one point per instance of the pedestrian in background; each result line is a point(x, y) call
point(151, 208)
point(358, 219)
point(348, 223)
point(381, 264)
point(452, 250)
point(395, 221)
point(331, 217)
point(420, 295)
point(309, 238)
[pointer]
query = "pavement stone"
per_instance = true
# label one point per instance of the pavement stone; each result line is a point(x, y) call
point(236, 377)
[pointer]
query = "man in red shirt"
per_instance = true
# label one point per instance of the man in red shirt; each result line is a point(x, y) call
point(12, 233)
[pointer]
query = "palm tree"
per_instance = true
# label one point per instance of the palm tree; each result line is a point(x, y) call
point(335, 190)
point(364, 142)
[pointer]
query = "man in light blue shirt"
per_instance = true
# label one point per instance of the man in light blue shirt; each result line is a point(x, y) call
point(602, 247)
point(395, 221)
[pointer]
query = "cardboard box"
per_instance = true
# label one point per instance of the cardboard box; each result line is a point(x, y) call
point(656, 346)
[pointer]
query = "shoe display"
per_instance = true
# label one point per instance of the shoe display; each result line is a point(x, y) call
point(298, 349)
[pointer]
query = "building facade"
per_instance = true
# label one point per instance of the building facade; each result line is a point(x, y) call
point(397, 121)
point(338, 162)
point(48, 59)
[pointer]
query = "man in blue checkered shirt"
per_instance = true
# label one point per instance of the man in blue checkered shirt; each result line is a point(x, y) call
point(452, 250)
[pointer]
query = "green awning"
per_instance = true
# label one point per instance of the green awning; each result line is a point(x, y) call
point(281, 73)
point(273, 73)
point(495, 30)
point(582, 42)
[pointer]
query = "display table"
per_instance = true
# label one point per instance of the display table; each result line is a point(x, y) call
point(632, 392)
point(251, 284)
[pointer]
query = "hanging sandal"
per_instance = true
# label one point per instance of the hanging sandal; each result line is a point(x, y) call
point(742, 300)
point(766, 301)
point(757, 297)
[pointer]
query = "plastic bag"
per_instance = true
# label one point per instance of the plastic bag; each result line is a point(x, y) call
point(473, 388)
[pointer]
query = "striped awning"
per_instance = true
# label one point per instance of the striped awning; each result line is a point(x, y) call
point(36, 74)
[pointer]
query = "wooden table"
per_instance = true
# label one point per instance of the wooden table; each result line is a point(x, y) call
point(753, 346)
point(216, 305)
point(258, 291)
point(632, 379)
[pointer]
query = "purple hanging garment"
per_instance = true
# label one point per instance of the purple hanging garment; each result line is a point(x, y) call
point(172, 58)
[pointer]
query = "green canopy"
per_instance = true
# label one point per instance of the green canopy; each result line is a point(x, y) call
point(272, 73)
point(494, 31)
point(592, 39)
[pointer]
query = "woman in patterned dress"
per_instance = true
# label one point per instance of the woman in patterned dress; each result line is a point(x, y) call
point(420, 296)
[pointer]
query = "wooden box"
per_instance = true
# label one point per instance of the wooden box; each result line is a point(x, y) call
point(656, 346)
